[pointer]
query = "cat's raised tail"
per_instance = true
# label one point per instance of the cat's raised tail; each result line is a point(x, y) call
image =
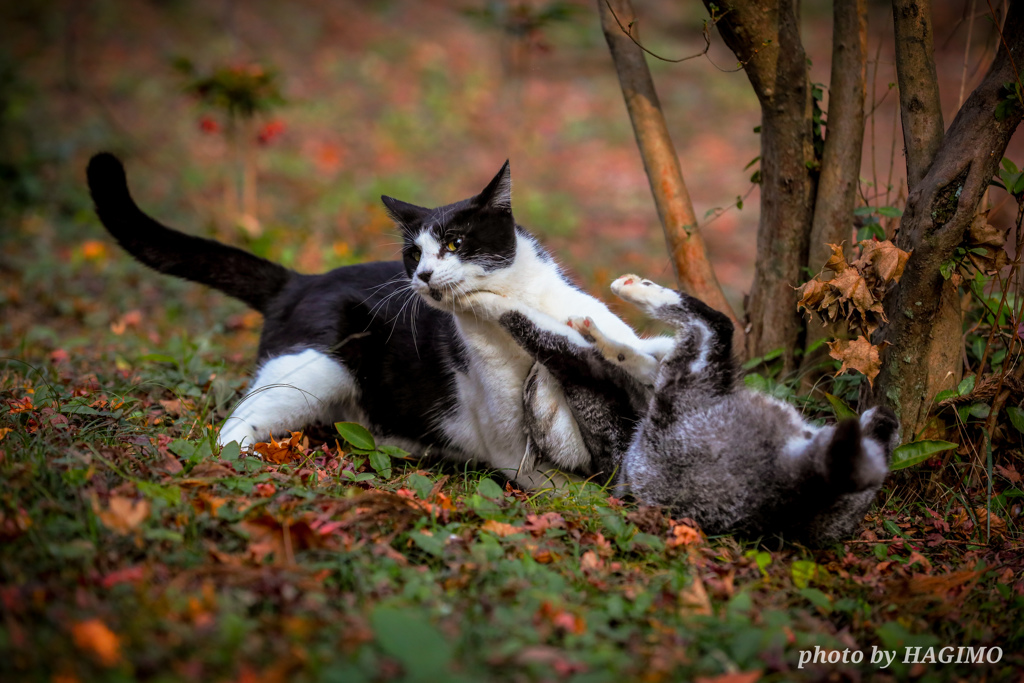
point(237, 273)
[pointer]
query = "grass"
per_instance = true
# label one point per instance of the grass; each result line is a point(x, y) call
point(134, 550)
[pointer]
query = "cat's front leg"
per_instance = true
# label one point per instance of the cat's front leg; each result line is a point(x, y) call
point(642, 366)
point(288, 393)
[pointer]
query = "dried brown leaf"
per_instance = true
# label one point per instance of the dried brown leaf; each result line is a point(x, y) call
point(836, 262)
point(501, 528)
point(123, 514)
point(852, 287)
point(886, 260)
point(858, 354)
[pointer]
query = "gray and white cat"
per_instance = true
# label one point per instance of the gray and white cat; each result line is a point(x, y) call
point(733, 459)
point(353, 343)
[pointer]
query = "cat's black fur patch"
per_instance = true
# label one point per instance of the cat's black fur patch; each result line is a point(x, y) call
point(403, 361)
point(484, 223)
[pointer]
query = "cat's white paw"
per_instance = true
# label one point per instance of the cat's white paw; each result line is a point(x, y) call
point(237, 429)
point(641, 365)
point(643, 293)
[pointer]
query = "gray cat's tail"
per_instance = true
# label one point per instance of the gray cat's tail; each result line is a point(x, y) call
point(237, 273)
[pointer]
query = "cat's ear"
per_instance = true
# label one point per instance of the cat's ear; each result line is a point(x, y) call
point(498, 193)
point(403, 213)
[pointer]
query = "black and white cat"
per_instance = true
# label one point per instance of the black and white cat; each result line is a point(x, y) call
point(734, 460)
point(352, 344)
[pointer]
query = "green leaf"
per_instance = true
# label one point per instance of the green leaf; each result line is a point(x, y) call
point(356, 434)
point(805, 571)
point(170, 494)
point(420, 484)
point(966, 386)
point(817, 598)
point(979, 410)
point(910, 454)
point(231, 451)
point(489, 489)
point(756, 382)
point(1018, 187)
point(890, 211)
point(381, 464)
point(1016, 416)
point(840, 408)
point(1008, 165)
point(944, 394)
point(408, 636)
point(431, 544)
point(758, 158)
point(193, 451)
point(393, 451)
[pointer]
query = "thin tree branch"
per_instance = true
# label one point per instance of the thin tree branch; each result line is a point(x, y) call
point(920, 107)
point(682, 234)
point(844, 140)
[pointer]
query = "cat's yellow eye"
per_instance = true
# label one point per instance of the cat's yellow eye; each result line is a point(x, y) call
point(415, 256)
point(454, 244)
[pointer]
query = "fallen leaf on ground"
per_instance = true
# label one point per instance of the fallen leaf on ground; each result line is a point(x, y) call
point(694, 598)
point(501, 528)
point(94, 637)
point(123, 514)
point(281, 452)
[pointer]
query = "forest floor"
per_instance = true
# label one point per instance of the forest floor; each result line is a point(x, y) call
point(132, 549)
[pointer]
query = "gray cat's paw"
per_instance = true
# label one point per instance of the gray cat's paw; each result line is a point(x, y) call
point(640, 365)
point(643, 293)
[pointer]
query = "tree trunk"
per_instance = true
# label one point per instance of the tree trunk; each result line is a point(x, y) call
point(844, 140)
point(939, 210)
point(682, 234)
point(765, 36)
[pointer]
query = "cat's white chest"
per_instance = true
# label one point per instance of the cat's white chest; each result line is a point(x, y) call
point(489, 417)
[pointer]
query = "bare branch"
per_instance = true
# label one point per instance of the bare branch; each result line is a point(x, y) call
point(682, 234)
point(939, 210)
point(844, 139)
point(920, 107)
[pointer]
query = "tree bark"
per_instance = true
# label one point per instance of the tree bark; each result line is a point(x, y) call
point(920, 108)
point(939, 210)
point(682, 234)
point(844, 140)
point(765, 36)
point(921, 116)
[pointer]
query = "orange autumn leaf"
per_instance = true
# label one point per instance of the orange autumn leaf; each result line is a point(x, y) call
point(4, 431)
point(93, 636)
point(123, 515)
point(858, 354)
point(281, 452)
point(501, 528)
point(682, 534)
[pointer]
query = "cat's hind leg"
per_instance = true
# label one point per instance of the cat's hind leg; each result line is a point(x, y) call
point(289, 392)
point(703, 343)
